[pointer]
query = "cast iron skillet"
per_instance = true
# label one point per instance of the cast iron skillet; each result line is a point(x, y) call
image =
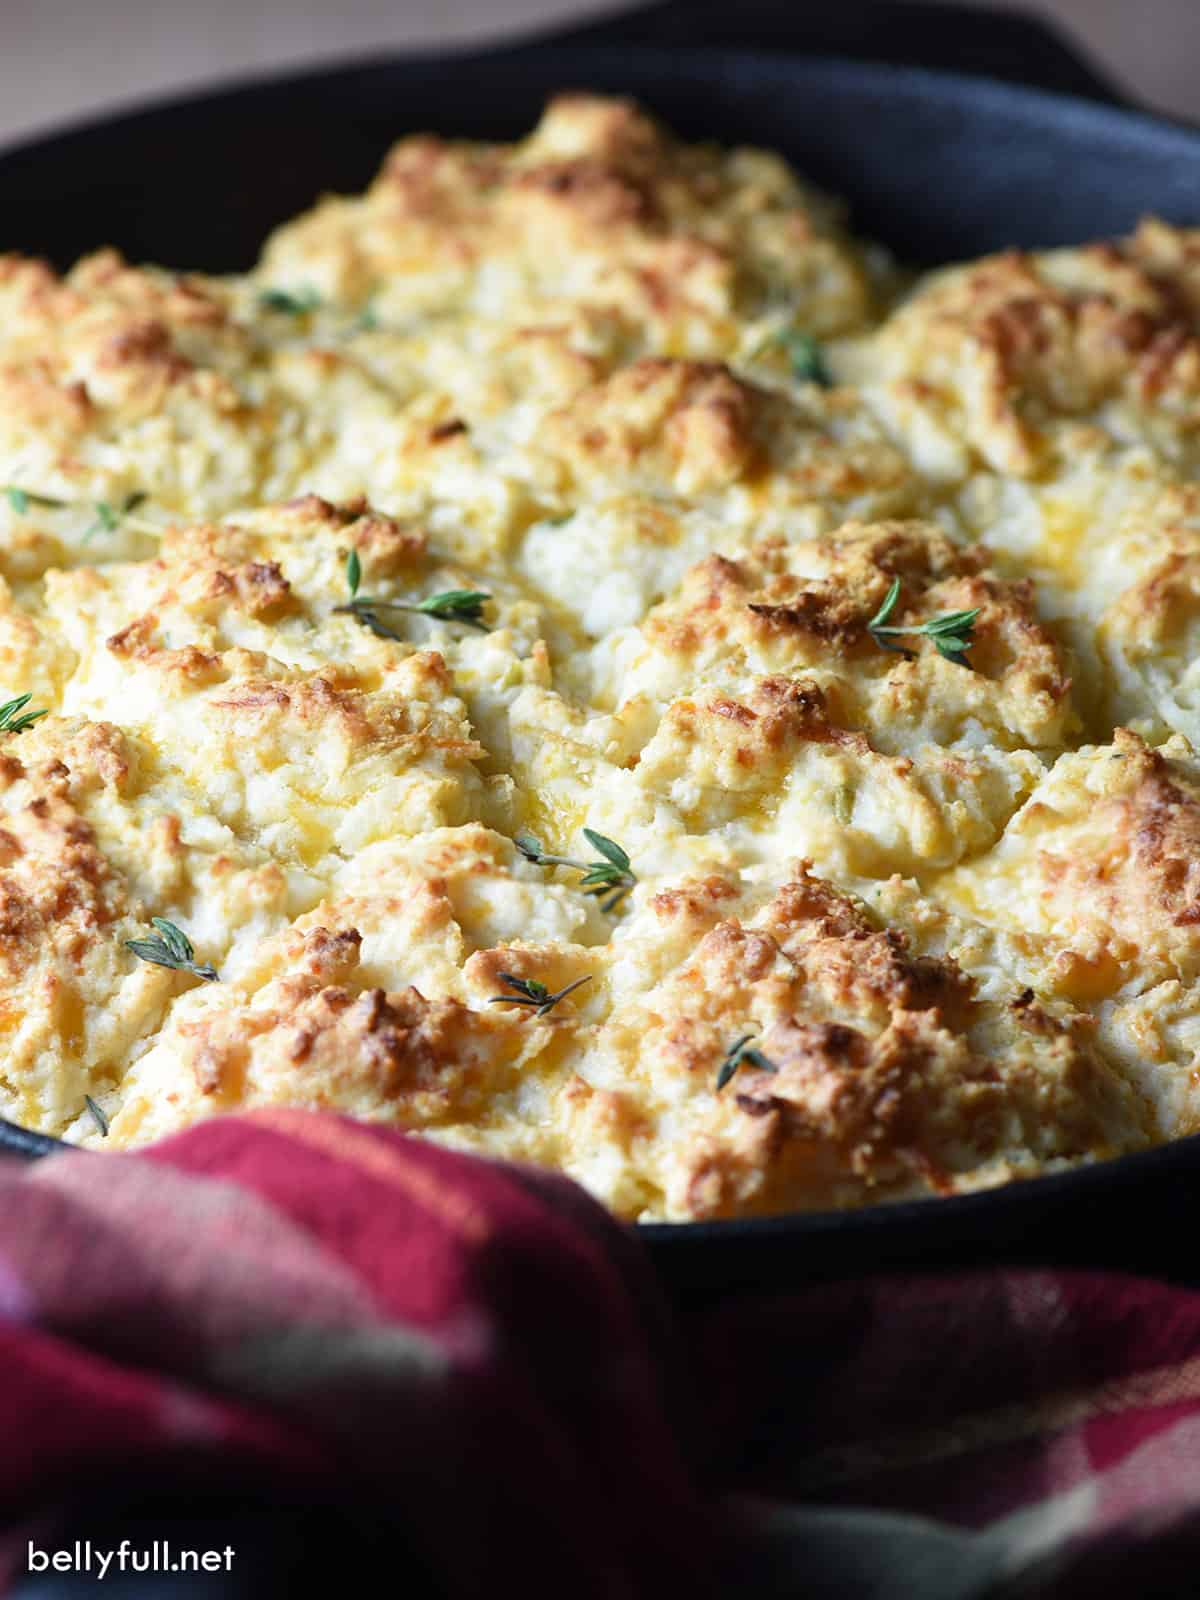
point(938, 165)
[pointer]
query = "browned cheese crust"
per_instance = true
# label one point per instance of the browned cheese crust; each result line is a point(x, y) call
point(905, 912)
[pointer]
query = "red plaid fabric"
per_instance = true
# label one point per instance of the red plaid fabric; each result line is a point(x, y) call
point(314, 1304)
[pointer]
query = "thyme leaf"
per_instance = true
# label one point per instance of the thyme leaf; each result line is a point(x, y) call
point(365, 612)
point(952, 634)
point(288, 302)
point(21, 500)
point(610, 880)
point(608, 848)
point(170, 947)
point(98, 1116)
point(807, 358)
point(451, 605)
point(15, 719)
point(456, 605)
point(742, 1054)
point(805, 354)
point(108, 517)
point(529, 992)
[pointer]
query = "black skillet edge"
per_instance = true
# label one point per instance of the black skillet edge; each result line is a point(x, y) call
point(1012, 46)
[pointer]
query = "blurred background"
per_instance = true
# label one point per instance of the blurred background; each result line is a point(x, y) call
point(60, 59)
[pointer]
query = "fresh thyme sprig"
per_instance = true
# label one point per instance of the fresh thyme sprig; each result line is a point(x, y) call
point(805, 354)
point(170, 947)
point(951, 634)
point(290, 303)
point(15, 719)
point(98, 1116)
point(529, 992)
point(807, 359)
point(452, 605)
point(21, 500)
point(610, 880)
point(107, 516)
point(303, 302)
point(742, 1054)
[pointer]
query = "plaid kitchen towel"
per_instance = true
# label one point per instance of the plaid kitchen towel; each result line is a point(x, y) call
point(305, 1306)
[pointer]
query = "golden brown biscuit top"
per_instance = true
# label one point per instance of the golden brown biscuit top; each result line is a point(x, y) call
point(598, 206)
point(1001, 352)
point(504, 637)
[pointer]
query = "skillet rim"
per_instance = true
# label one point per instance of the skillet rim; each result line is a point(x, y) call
point(1086, 118)
point(717, 61)
point(1175, 1157)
